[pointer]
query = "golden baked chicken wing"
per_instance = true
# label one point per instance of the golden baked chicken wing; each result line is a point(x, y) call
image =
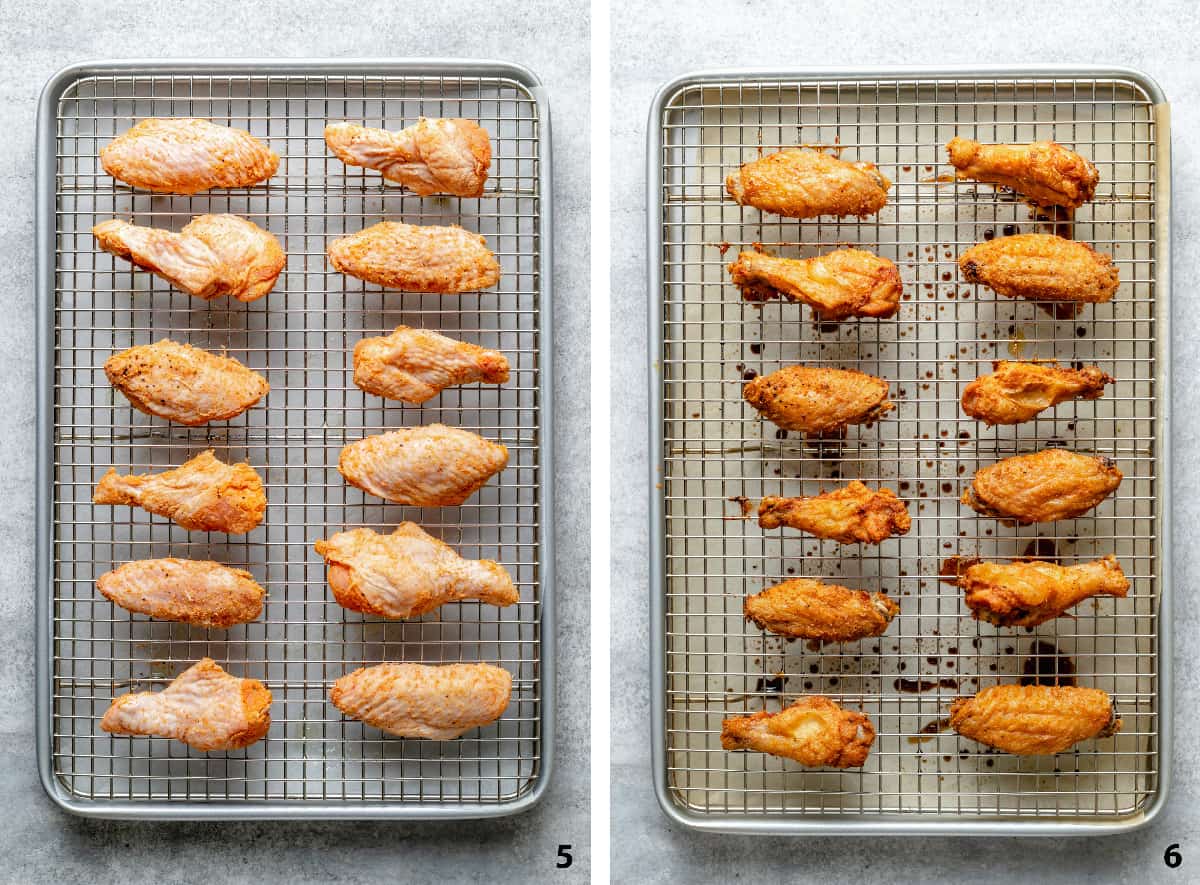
point(202, 495)
point(801, 183)
point(204, 707)
point(420, 701)
point(805, 608)
point(1025, 594)
point(414, 365)
point(1041, 267)
point(1046, 486)
point(813, 731)
point(818, 400)
point(213, 255)
point(1044, 172)
point(1034, 720)
point(1017, 392)
point(433, 156)
point(850, 515)
point(206, 594)
point(186, 156)
point(417, 258)
point(841, 284)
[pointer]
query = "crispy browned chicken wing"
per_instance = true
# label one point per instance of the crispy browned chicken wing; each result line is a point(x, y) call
point(433, 156)
point(813, 731)
point(1034, 720)
point(1017, 392)
point(1025, 594)
point(206, 594)
point(1046, 486)
point(805, 608)
point(841, 284)
point(850, 515)
point(800, 183)
point(1045, 173)
point(417, 258)
point(1041, 267)
point(414, 365)
point(817, 399)
point(186, 156)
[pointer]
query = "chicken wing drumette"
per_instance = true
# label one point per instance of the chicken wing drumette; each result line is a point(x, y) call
point(417, 258)
point(850, 515)
point(433, 156)
point(414, 365)
point(206, 594)
point(1017, 392)
point(1046, 486)
point(818, 400)
point(813, 731)
point(1044, 172)
point(1034, 720)
point(1041, 267)
point(1025, 594)
point(805, 608)
point(844, 283)
point(800, 183)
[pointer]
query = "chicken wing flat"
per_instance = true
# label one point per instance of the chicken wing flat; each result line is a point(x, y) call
point(213, 255)
point(419, 701)
point(203, 495)
point(1025, 594)
point(414, 365)
point(809, 609)
point(408, 573)
point(184, 384)
point(813, 731)
point(1017, 392)
point(852, 514)
point(841, 284)
point(432, 157)
point(800, 183)
point(205, 594)
point(1041, 267)
point(204, 707)
point(1034, 720)
point(818, 400)
point(185, 156)
point(1046, 486)
point(1045, 173)
point(434, 466)
point(417, 258)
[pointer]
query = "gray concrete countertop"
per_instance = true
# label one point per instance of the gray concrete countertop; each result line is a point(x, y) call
point(652, 44)
point(41, 844)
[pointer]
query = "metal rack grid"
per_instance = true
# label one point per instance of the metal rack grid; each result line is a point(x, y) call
point(301, 337)
point(711, 447)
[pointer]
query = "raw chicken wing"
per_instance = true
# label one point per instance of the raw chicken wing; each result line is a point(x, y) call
point(1025, 594)
point(1034, 720)
point(801, 183)
point(413, 365)
point(844, 283)
point(808, 609)
point(1047, 486)
point(850, 515)
point(1045, 173)
point(818, 400)
point(1017, 392)
point(431, 157)
point(417, 259)
point(206, 594)
point(1041, 267)
point(813, 731)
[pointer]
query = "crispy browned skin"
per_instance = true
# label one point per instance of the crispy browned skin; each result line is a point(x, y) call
point(434, 156)
point(414, 365)
point(850, 515)
point(186, 156)
point(813, 731)
point(1034, 720)
point(417, 258)
point(1025, 594)
point(809, 609)
point(841, 284)
point(1044, 172)
point(801, 183)
point(1046, 486)
point(206, 594)
point(202, 495)
point(817, 399)
point(1017, 392)
point(1041, 267)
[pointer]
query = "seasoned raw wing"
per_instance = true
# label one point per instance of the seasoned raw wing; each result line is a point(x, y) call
point(818, 400)
point(1034, 720)
point(420, 701)
point(841, 284)
point(213, 255)
point(1046, 486)
point(1025, 594)
point(408, 573)
point(417, 258)
point(850, 515)
point(433, 156)
point(1017, 392)
point(1041, 267)
point(185, 156)
point(204, 707)
point(206, 594)
point(413, 365)
point(813, 731)
point(203, 495)
point(184, 384)
point(1044, 172)
point(800, 183)
point(809, 609)
point(434, 466)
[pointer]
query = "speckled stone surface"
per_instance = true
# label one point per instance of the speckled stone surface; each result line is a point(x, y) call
point(38, 843)
point(652, 44)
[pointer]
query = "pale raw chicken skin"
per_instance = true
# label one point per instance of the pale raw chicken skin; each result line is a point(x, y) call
point(417, 258)
point(434, 156)
point(414, 365)
point(202, 593)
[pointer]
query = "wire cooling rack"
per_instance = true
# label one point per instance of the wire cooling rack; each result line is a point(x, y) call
point(710, 449)
point(301, 337)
